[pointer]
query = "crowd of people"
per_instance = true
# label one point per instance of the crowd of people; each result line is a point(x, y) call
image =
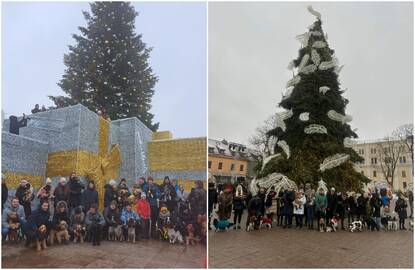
point(70, 212)
point(322, 210)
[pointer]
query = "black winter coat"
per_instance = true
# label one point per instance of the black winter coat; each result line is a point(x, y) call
point(75, 192)
point(4, 194)
point(400, 208)
point(352, 205)
point(112, 217)
point(109, 195)
point(89, 197)
point(375, 203)
point(361, 205)
point(61, 193)
point(332, 203)
point(197, 200)
point(36, 219)
point(58, 217)
point(212, 197)
point(288, 199)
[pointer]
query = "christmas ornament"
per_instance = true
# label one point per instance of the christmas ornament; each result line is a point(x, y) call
point(308, 69)
point(293, 81)
point(268, 159)
point(304, 116)
point(333, 115)
point(324, 89)
point(326, 65)
point(315, 57)
point(303, 62)
point(349, 142)
point(315, 129)
point(314, 12)
point(333, 161)
point(319, 44)
point(284, 146)
point(288, 92)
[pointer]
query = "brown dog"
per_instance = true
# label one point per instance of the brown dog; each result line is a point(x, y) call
point(78, 234)
point(14, 227)
point(190, 237)
point(62, 232)
point(41, 242)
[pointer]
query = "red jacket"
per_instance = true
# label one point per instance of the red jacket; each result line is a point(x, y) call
point(143, 209)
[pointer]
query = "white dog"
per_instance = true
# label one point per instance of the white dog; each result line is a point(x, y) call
point(174, 236)
point(356, 225)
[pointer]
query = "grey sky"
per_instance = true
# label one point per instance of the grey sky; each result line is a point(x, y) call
point(35, 36)
point(251, 44)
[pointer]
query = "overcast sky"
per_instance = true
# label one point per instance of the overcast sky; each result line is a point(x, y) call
point(251, 44)
point(35, 36)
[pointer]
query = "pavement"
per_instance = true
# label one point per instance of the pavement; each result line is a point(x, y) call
point(292, 248)
point(142, 254)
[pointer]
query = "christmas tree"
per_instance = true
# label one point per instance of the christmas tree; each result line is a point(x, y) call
point(312, 139)
point(108, 66)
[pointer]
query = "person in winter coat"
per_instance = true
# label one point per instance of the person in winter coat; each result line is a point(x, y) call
point(16, 208)
point(238, 206)
point(61, 214)
point(111, 216)
point(310, 196)
point(183, 218)
point(75, 191)
point(61, 192)
point(254, 209)
point(331, 205)
point(144, 212)
point(4, 194)
point(123, 185)
point(361, 207)
point(39, 217)
point(25, 194)
point(90, 196)
point(400, 208)
point(376, 203)
point(153, 197)
point(46, 193)
point(288, 199)
point(110, 193)
point(352, 207)
point(321, 205)
point(181, 194)
point(298, 209)
point(225, 203)
point(126, 214)
point(212, 200)
point(168, 200)
point(77, 217)
point(342, 206)
point(280, 208)
point(168, 185)
point(95, 223)
point(262, 196)
point(197, 199)
point(271, 203)
point(411, 202)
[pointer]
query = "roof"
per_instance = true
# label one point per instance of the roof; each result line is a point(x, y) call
point(229, 149)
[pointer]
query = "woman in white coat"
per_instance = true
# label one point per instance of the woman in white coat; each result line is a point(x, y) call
point(298, 211)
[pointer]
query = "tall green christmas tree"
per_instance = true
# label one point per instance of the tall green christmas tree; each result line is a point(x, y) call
point(312, 139)
point(108, 66)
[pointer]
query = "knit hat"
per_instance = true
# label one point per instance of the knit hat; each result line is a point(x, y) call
point(62, 180)
point(48, 181)
point(23, 182)
point(143, 195)
point(112, 182)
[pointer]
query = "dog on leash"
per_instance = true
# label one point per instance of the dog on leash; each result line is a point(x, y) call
point(356, 226)
point(266, 223)
point(411, 225)
point(78, 233)
point(332, 225)
point(252, 223)
point(62, 233)
point(221, 225)
point(131, 230)
point(393, 224)
point(15, 232)
point(321, 225)
point(190, 237)
point(174, 234)
point(41, 242)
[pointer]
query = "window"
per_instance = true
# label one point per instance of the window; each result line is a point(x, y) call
point(373, 150)
point(374, 173)
point(374, 161)
point(362, 172)
point(211, 150)
point(402, 159)
point(232, 166)
point(404, 185)
point(220, 166)
point(210, 164)
point(241, 168)
point(361, 152)
point(403, 174)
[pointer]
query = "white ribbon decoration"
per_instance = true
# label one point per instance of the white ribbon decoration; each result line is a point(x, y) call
point(333, 161)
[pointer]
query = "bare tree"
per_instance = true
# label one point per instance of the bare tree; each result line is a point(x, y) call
point(260, 143)
point(406, 135)
point(388, 151)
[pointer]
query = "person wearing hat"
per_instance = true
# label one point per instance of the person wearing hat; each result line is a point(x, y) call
point(25, 194)
point(153, 197)
point(400, 208)
point(144, 212)
point(61, 192)
point(111, 216)
point(225, 203)
point(75, 191)
point(331, 205)
point(351, 207)
point(197, 199)
point(212, 200)
point(46, 193)
point(110, 193)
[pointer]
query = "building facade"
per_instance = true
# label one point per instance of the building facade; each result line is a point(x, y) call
point(228, 162)
point(371, 166)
